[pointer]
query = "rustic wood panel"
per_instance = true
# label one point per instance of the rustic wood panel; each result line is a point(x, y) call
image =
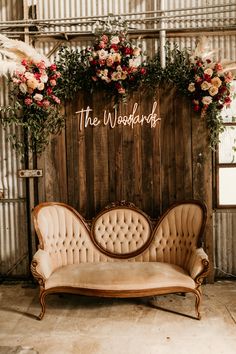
point(91, 167)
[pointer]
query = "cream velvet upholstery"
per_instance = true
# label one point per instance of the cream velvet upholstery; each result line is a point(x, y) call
point(121, 254)
point(176, 236)
point(121, 231)
point(120, 276)
point(66, 238)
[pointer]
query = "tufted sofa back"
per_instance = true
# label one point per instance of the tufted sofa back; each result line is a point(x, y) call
point(119, 232)
point(64, 234)
point(176, 234)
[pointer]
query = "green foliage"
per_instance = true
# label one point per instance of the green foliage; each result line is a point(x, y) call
point(36, 126)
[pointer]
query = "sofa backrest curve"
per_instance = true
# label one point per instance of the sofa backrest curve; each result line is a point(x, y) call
point(178, 232)
point(119, 232)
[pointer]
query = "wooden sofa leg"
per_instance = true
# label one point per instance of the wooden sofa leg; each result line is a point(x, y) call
point(197, 304)
point(42, 303)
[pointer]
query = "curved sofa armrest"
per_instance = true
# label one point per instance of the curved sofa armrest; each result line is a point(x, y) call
point(198, 265)
point(41, 266)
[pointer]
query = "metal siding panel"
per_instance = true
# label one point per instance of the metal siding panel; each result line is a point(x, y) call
point(225, 242)
point(13, 215)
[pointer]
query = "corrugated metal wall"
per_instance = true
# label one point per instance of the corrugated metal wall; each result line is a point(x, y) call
point(13, 220)
point(225, 242)
point(58, 18)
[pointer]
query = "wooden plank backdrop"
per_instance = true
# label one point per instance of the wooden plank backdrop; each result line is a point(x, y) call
point(151, 167)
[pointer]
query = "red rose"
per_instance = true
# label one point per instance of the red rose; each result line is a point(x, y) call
point(196, 108)
point(114, 47)
point(207, 77)
point(49, 91)
point(53, 67)
point(128, 50)
point(227, 100)
point(143, 71)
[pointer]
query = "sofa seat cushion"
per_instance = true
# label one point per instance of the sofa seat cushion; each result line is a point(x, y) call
point(119, 276)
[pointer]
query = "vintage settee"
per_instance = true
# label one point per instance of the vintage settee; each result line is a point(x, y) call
point(120, 253)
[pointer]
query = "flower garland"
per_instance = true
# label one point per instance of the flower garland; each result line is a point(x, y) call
point(35, 106)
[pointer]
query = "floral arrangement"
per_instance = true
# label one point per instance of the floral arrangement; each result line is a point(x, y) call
point(113, 63)
point(34, 104)
point(210, 91)
point(34, 87)
point(210, 85)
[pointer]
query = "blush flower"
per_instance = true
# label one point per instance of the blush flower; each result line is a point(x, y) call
point(191, 87)
point(206, 100)
point(38, 97)
point(216, 81)
point(213, 90)
point(205, 85)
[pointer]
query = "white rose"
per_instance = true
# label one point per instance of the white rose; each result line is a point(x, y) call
point(38, 97)
point(29, 75)
point(134, 62)
point(115, 40)
point(44, 78)
point(102, 54)
point(208, 71)
point(40, 86)
point(23, 87)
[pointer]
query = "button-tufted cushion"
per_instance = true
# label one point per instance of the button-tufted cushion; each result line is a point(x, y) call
point(121, 231)
point(65, 236)
point(176, 235)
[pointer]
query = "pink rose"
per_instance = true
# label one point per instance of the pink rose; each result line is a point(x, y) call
point(28, 101)
point(41, 65)
point(228, 77)
point(104, 38)
point(53, 82)
point(37, 76)
point(56, 99)
point(53, 67)
point(46, 103)
point(102, 44)
point(218, 67)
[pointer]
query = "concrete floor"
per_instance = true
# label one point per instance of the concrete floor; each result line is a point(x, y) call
point(83, 325)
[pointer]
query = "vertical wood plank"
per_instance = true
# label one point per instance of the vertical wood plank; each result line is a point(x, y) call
point(202, 177)
point(100, 156)
point(183, 150)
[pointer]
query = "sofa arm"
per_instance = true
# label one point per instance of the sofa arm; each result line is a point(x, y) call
point(198, 265)
point(41, 266)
